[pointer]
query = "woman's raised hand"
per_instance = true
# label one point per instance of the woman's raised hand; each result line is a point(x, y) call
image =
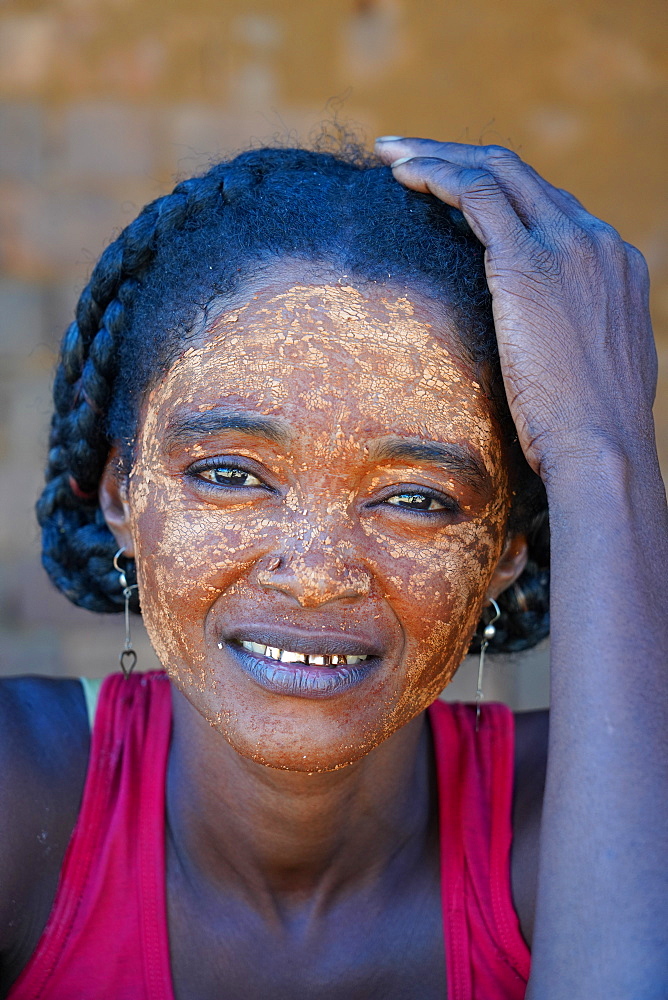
point(570, 300)
point(578, 360)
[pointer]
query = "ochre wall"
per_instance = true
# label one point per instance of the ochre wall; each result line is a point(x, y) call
point(103, 103)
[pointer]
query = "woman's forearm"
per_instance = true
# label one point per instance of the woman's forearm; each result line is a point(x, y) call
point(571, 313)
point(602, 910)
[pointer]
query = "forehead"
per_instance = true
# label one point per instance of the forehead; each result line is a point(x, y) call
point(386, 359)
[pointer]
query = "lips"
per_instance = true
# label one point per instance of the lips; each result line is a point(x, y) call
point(308, 659)
point(302, 664)
point(320, 643)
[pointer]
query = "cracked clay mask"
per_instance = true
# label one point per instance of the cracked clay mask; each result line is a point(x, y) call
point(318, 462)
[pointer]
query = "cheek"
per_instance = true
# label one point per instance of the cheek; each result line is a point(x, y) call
point(437, 591)
point(440, 571)
point(186, 557)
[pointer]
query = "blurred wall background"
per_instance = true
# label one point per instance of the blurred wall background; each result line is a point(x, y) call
point(105, 103)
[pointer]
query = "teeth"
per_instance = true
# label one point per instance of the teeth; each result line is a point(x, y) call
point(255, 647)
point(288, 656)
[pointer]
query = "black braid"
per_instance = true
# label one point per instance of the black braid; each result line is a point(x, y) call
point(525, 607)
point(202, 242)
point(77, 546)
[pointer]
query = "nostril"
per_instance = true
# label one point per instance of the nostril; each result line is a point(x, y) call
point(311, 579)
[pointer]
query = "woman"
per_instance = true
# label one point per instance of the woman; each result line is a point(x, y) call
point(281, 402)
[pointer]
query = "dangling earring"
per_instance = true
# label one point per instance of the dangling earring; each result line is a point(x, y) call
point(128, 656)
point(488, 634)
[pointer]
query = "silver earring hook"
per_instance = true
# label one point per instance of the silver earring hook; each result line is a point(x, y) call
point(128, 655)
point(488, 634)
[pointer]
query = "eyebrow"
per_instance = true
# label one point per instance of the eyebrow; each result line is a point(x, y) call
point(450, 457)
point(192, 427)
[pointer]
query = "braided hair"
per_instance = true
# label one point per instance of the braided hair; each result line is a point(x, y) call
point(205, 241)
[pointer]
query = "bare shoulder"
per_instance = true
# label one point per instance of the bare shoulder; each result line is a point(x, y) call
point(531, 734)
point(44, 744)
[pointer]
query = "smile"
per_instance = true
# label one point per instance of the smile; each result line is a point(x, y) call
point(309, 659)
point(315, 674)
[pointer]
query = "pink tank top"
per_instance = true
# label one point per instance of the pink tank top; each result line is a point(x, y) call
point(106, 937)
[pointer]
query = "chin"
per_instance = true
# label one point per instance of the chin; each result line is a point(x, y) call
point(305, 752)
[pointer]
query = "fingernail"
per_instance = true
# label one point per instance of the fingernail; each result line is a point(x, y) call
point(404, 159)
point(389, 138)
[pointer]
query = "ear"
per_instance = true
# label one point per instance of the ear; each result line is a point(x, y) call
point(511, 563)
point(112, 497)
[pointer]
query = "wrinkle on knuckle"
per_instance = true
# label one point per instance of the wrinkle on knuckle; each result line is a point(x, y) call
point(577, 242)
point(501, 157)
point(533, 261)
point(560, 233)
point(547, 263)
point(608, 239)
point(477, 185)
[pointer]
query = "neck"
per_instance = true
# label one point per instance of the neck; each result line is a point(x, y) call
point(289, 835)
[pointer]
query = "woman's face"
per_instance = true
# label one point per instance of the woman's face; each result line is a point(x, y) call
point(317, 508)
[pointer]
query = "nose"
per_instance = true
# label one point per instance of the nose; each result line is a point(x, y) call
point(315, 577)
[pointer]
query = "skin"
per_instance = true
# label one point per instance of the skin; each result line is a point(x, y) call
point(284, 837)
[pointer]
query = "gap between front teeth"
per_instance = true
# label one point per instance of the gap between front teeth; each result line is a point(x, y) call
point(310, 659)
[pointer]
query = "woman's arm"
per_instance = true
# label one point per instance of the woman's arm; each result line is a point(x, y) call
point(572, 321)
point(44, 744)
point(604, 839)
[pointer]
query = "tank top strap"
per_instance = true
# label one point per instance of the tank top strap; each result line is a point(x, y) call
point(107, 932)
point(486, 956)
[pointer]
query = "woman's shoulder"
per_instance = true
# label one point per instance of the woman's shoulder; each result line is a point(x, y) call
point(44, 745)
point(43, 724)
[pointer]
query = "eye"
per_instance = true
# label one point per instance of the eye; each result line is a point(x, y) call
point(422, 502)
point(227, 475)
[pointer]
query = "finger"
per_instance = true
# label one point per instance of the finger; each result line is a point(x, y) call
point(532, 197)
point(597, 228)
point(541, 206)
point(474, 191)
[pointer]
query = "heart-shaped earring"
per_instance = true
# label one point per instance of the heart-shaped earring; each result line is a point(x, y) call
point(488, 634)
point(128, 656)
